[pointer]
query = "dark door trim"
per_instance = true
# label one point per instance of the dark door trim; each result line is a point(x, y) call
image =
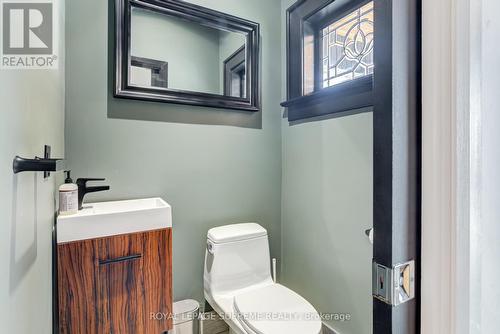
point(397, 153)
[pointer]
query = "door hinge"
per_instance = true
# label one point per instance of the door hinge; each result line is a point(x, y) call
point(395, 285)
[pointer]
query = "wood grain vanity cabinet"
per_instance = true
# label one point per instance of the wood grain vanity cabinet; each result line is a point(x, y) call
point(116, 285)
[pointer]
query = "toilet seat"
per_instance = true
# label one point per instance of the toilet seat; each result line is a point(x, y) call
point(275, 309)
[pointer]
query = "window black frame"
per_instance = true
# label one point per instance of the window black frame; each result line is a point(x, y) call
point(354, 95)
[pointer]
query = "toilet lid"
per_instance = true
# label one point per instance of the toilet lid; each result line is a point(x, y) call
point(275, 309)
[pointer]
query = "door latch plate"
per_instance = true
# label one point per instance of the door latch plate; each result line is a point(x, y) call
point(395, 285)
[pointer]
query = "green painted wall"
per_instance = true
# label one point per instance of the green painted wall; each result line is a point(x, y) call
point(310, 184)
point(327, 205)
point(32, 114)
point(213, 166)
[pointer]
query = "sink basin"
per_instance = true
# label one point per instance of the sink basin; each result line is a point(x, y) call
point(105, 219)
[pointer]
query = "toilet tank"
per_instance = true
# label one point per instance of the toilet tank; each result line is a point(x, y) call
point(237, 256)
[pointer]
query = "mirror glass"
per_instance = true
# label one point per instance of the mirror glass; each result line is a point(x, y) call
point(168, 52)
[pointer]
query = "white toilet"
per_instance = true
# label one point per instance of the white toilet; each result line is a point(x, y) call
point(239, 286)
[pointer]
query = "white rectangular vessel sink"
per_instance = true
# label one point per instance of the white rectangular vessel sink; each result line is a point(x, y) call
point(103, 219)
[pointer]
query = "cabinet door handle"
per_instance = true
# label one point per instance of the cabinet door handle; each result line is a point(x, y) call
point(120, 259)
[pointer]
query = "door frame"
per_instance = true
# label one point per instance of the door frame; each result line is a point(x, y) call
point(450, 181)
point(397, 153)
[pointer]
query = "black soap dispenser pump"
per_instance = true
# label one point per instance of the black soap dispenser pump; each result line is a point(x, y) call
point(68, 177)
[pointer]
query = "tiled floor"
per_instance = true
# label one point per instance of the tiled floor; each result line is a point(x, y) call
point(212, 324)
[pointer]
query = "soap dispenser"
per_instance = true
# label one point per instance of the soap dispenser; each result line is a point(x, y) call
point(68, 196)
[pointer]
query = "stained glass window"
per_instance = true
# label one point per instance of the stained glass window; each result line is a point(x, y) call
point(347, 47)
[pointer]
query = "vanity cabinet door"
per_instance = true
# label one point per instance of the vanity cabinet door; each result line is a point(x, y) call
point(76, 287)
point(120, 284)
point(114, 285)
point(157, 271)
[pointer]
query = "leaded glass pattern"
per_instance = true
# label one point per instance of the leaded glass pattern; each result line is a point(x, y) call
point(347, 47)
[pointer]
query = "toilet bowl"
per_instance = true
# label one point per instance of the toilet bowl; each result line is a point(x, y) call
point(239, 287)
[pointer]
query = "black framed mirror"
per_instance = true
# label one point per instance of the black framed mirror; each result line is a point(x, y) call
point(176, 52)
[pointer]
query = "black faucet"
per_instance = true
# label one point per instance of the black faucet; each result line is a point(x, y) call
point(83, 189)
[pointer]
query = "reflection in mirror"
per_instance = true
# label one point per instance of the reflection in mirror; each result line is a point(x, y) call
point(235, 74)
point(199, 58)
point(148, 72)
